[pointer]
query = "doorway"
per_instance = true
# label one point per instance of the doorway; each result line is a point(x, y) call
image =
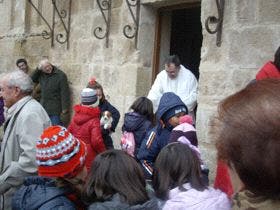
point(179, 31)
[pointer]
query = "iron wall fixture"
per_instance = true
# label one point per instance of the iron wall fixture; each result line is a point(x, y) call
point(218, 21)
point(98, 32)
point(64, 17)
point(129, 31)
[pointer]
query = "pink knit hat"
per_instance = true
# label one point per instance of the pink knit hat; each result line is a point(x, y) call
point(59, 153)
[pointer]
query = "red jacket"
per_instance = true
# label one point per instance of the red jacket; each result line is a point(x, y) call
point(85, 125)
point(269, 70)
point(222, 180)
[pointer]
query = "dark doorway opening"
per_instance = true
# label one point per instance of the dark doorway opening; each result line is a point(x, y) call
point(186, 37)
point(178, 31)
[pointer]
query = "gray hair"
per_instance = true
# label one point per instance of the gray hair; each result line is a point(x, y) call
point(19, 79)
point(43, 62)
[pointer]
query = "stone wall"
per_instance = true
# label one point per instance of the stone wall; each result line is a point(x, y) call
point(251, 32)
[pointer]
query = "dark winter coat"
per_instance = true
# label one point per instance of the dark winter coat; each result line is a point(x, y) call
point(55, 93)
point(42, 194)
point(2, 118)
point(85, 126)
point(104, 105)
point(158, 137)
point(116, 204)
point(139, 125)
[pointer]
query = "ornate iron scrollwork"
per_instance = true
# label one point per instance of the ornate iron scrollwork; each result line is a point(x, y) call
point(62, 15)
point(129, 31)
point(104, 5)
point(218, 21)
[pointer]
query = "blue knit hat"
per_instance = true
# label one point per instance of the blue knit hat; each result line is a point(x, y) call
point(173, 111)
point(89, 97)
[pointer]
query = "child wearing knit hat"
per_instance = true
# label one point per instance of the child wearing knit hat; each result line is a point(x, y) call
point(85, 124)
point(105, 106)
point(61, 168)
point(170, 109)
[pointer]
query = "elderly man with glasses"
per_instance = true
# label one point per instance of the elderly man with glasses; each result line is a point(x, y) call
point(25, 121)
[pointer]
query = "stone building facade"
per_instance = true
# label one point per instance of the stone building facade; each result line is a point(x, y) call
point(250, 36)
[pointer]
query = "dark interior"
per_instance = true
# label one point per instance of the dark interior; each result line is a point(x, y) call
point(186, 37)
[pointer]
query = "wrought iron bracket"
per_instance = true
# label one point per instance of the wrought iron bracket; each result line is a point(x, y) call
point(129, 31)
point(64, 17)
point(100, 33)
point(218, 21)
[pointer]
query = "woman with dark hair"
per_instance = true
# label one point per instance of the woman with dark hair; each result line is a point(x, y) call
point(177, 181)
point(116, 181)
point(270, 69)
point(139, 120)
point(251, 149)
point(104, 105)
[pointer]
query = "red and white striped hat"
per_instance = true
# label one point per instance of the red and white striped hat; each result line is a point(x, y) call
point(59, 153)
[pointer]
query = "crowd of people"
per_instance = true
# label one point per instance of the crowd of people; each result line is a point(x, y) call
point(49, 163)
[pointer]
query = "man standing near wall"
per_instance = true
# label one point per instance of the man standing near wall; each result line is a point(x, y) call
point(25, 121)
point(177, 79)
point(55, 93)
point(23, 66)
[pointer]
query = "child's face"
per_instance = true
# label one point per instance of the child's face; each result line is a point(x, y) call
point(174, 121)
point(99, 93)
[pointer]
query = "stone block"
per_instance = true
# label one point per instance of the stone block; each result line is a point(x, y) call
point(208, 153)
point(249, 47)
point(206, 123)
point(74, 73)
point(268, 11)
point(213, 83)
point(118, 3)
point(83, 5)
point(246, 11)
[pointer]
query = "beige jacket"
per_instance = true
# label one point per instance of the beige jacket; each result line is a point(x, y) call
point(246, 200)
point(27, 121)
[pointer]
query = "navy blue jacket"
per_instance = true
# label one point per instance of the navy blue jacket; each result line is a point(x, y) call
point(158, 137)
point(42, 194)
point(106, 106)
point(139, 125)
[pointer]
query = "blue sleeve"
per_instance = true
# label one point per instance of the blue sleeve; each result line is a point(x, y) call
point(59, 203)
point(148, 152)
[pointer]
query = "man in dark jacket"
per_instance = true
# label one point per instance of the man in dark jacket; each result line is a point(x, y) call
point(55, 93)
point(171, 107)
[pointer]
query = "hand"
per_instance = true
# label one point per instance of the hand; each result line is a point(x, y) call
point(65, 111)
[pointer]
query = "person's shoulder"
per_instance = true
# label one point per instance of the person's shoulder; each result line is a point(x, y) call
point(162, 74)
point(185, 71)
point(59, 71)
point(32, 107)
point(34, 104)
